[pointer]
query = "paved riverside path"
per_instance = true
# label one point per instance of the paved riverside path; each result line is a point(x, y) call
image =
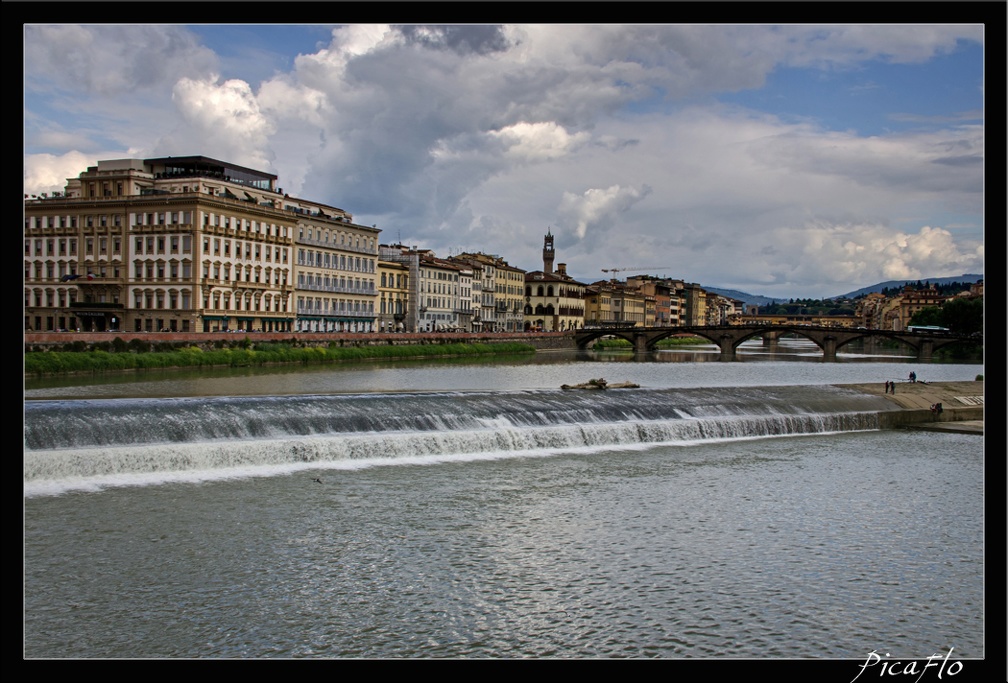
point(962, 403)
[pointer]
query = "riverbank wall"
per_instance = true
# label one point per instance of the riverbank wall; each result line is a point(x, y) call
point(53, 341)
point(962, 405)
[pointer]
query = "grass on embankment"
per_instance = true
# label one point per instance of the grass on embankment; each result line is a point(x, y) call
point(244, 355)
point(620, 344)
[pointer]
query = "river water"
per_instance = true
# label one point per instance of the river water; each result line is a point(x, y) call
point(473, 509)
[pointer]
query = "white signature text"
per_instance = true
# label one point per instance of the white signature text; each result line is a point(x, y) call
point(911, 668)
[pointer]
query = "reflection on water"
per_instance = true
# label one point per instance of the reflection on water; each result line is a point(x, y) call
point(697, 367)
point(604, 538)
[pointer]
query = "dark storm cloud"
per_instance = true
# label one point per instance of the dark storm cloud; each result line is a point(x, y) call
point(463, 40)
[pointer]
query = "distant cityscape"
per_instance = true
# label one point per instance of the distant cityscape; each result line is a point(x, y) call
point(195, 244)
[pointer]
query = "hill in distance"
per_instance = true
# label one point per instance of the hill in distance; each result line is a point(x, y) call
point(747, 299)
point(756, 300)
point(898, 284)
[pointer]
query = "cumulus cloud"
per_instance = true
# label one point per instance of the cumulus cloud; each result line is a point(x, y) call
point(493, 133)
point(836, 255)
point(112, 60)
point(598, 208)
point(537, 141)
point(49, 172)
point(225, 117)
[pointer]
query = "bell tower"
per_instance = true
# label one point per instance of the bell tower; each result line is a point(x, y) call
point(548, 253)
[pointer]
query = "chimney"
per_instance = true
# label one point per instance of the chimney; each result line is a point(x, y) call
point(562, 269)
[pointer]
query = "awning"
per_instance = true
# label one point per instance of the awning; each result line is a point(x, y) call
point(215, 317)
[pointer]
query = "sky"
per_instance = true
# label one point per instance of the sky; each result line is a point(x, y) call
point(780, 160)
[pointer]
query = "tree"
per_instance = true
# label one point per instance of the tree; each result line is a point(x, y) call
point(963, 315)
point(932, 315)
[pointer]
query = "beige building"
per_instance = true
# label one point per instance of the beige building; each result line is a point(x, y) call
point(193, 244)
point(877, 312)
point(184, 243)
point(793, 319)
point(695, 305)
point(337, 270)
point(910, 302)
point(554, 301)
point(615, 303)
point(501, 292)
point(393, 293)
point(445, 294)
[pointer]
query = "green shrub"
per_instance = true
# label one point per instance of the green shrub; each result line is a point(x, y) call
point(61, 362)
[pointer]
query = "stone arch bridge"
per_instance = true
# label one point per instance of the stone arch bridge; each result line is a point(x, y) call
point(728, 337)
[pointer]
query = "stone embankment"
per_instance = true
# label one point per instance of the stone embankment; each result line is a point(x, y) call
point(540, 340)
point(962, 405)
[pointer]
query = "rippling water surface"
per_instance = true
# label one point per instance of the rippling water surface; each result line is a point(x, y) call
point(826, 545)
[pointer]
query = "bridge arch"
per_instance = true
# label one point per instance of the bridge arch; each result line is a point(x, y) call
point(729, 337)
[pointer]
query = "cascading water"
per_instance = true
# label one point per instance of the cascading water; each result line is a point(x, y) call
point(73, 445)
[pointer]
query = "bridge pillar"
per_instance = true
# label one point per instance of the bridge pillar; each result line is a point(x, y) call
point(829, 348)
point(770, 337)
point(727, 348)
point(640, 343)
point(925, 350)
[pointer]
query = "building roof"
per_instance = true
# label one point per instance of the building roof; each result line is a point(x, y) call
point(203, 163)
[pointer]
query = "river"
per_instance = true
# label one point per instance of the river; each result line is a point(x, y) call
point(471, 509)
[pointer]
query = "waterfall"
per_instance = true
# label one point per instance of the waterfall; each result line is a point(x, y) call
point(92, 444)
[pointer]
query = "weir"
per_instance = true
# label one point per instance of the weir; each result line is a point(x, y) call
point(105, 440)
